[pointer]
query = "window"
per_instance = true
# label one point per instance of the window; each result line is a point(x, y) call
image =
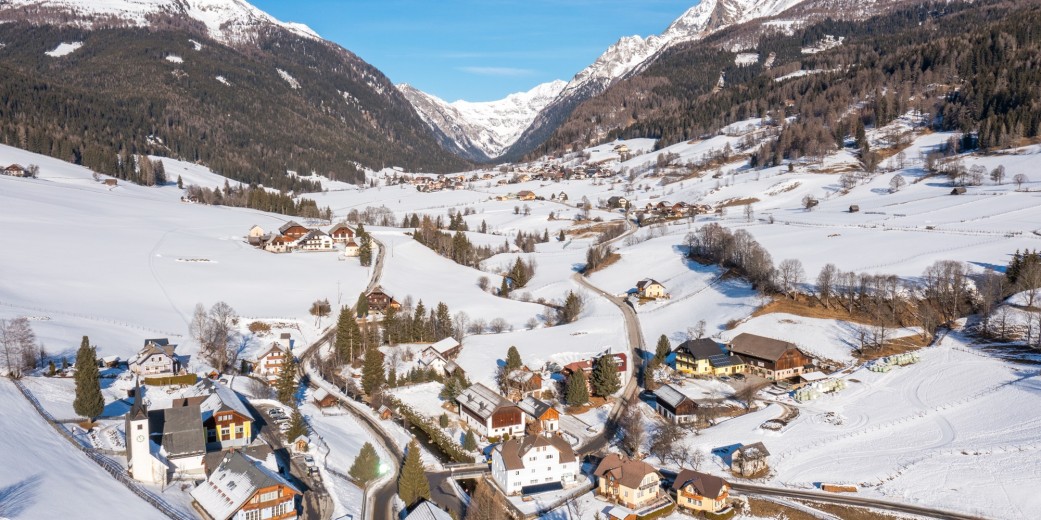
point(140, 427)
point(253, 514)
point(269, 496)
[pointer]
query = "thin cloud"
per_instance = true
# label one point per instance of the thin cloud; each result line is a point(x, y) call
point(498, 71)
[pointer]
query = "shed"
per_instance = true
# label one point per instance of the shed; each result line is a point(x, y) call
point(750, 460)
point(854, 208)
point(960, 190)
point(324, 399)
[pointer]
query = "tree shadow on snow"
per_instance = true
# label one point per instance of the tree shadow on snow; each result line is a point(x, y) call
point(18, 497)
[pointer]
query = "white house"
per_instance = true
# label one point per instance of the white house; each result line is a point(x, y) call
point(270, 362)
point(488, 413)
point(351, 248)
point(157, 358)
point(536, 460)
point(315, 240)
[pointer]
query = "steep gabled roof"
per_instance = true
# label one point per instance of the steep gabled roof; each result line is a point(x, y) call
point(482, 400)
point(670, 396)
point(759, 346)
point(534, 407)
point(274, 346)
point(180, 430)
point(703, 348)
point(514, 450)
point(627, 472)
point(705, 485)
point(754, 451)
point(233, 483)
point(445, 345)
point(647, 282)
point(287, 226)
point(427, 511)
point(341, 227)
point(223, 399)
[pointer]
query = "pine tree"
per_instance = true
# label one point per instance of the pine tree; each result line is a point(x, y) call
point(348, 337)
point(297, 426)
point(504, 289)
point(362, 307)
point(443, 420)
point(364, 246)
point(51, 369)
point(513, 359)
point(392, 377)
point(373, 376)
point(285, 386)
point(89, 402)
point(366, 466)
point(663, 349)
point(576, 393)
point(180, 183)
point(560, 236)
point(469, 441)
point(443, 327)
point(412, 483)
point(605, 379)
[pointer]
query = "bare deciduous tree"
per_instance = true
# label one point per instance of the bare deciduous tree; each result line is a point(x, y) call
point(789, 275)
point(630, 427)
point(896, 183)
point(1020, 179)
point(826, 283)
point(215, 332)
point(498, 325)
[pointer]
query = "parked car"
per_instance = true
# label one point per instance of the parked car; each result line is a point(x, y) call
point(739, 377)
point(309, 460)
point(724, 378)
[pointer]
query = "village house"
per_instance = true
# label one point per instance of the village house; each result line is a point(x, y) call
point(586, 365)
point(324, 399)
point(243, 489)
point(270, 362)
point(523, 383)
point(341, 233)
point(256, 236)
point(750, 461)
point(698, 492)
point(701, 357)
point(617, 202)
point(631, 483)
point(542, 412)
point(280, 244)
point(675, 405)
point(770, 358)
point(227, 421)
point(379, 301)
point(351, 248)
point(534, 464)
point(650, 289)
point(428, 511)
point(440, 356)
point(157, 358)
point(447, 348)
point(562, 197)
point(293, 230)
point(164, 444)
point(315, 240)
point(16, 170)
point(488, 413)
point(525, 195)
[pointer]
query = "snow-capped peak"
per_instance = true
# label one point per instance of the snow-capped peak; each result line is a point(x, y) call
point(226, 20)
point(484, 129)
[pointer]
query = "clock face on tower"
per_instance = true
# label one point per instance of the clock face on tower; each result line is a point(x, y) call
point(140, 438)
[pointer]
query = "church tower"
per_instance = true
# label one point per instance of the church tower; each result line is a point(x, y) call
point(139, 454)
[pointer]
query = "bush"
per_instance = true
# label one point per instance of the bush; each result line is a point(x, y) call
point(187, 380)
point(434, 433)
point(259, 327)
point(666, 511)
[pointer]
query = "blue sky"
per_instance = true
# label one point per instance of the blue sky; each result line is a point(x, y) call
point(478, 50)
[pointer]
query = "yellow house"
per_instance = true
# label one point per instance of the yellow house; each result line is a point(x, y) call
point(631, 483)
point(704, 357)
point(701, 492)
point(650, 289)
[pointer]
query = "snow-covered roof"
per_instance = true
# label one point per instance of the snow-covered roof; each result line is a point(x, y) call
point(223, 399)
point(533, 407)
point(233, 483)
point(482, 400)
point(320, 394)
point(427, 511)
point(445, 345)
point(815, 376)
point(670, 396)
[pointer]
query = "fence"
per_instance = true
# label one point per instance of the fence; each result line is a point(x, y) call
point(112, 467)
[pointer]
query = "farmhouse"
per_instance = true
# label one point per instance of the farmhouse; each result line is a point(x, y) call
point(541, 411)
point(697, 491)
point(256, 236)
point(631, 483)
point(351, 248)
point(525, 195)
point(16, 170)
point(706, 357)
point(488, 413)
point(447, 348)
point(227, 421)
point(770, 358)
point(379, 301)
point(341, 233)
point(270, 362)
point(674, 405)
point(157, 358)
point(650, 289)
point(315, 240)
point(534, 464)
point(293, 230)
point(750, 460)
point(243, 489)
point(280, 244)
point(523, 383)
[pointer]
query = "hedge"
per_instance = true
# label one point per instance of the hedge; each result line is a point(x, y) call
point(434, 433)
point(665, 511)
point(187, 379)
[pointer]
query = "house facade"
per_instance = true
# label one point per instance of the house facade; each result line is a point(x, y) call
point(226, 420)
point(280, 244)
point(156, 358)
point(770, 358)
point(293, 230)
point(673, 405)
point(271, 361)
point(351, 248)
point(341, 233)
point(650, 289)
point(697, 492)
point(379, 300)
point(631, 483)
point(315, 240)
point(241, 488)
point(488, 413)
point(534, 462)
point(705, 357)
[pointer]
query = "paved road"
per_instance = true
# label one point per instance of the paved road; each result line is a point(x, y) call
point(634, 336)
point(850, 500)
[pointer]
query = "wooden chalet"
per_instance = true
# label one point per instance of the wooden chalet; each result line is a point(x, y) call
point(293, 230)
point(341, 233)
point(675, 405)
point(380, 301)
point(242, 488)
point(770, 358)
point(542, 412)
point(323, 399)
point(488, 413)
point(271, 361)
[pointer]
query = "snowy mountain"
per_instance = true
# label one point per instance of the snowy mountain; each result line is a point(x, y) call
point(227, 21)
point(630, 53)
point(482, 130)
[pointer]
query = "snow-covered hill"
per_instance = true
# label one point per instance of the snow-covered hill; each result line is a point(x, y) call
point(227, 21)
point(482, 130)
